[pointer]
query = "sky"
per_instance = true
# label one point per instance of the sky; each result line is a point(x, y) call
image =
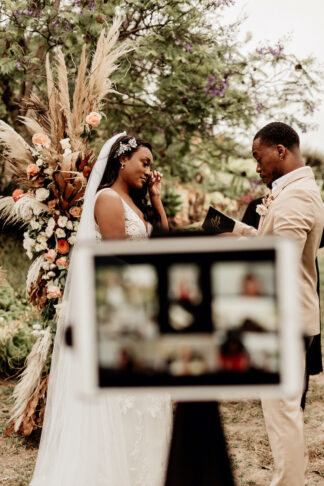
point(303, 20)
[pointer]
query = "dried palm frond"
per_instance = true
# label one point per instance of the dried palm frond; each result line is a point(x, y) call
point(32, 125)
point(63, 92)
point(15, 148)
point(103, 65)
point(34, 106)
point(33, 272)
point(30, 377)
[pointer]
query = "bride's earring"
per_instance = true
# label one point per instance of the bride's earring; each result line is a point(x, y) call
point(122, 166)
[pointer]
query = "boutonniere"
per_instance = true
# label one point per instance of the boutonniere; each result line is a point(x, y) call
point(262, 209)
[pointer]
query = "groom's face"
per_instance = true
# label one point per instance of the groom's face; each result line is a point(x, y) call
point(269, 164)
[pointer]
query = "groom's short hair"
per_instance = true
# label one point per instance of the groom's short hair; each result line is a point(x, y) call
point(276, 133)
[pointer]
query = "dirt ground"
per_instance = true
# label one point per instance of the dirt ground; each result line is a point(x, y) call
point(244, 429)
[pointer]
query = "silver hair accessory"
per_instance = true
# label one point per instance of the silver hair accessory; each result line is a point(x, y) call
point(126, 147)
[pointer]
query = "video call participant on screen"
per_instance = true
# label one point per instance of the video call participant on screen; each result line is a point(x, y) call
point(294, 209)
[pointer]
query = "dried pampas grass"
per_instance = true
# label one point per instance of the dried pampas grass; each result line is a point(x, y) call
point(33, 272)
point(103, 65)
point(32, 125)
point(30, 377)
point(21, 211)
point(17, 152)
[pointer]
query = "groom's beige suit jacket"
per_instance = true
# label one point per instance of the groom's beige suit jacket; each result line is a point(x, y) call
point(297, 211)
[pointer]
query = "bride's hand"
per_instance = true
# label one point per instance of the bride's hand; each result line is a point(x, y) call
point(155, 182)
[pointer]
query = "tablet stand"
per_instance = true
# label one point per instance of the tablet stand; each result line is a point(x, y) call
point(198, 455)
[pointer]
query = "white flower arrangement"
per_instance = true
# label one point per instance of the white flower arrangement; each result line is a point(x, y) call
point(71, 240)
point(35, 224)
point(69, 225)
point(65, 143)
point(42, 194)
point(60, 233)
point(62, 221)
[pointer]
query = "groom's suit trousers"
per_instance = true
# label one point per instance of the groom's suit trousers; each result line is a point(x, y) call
point(285, 427)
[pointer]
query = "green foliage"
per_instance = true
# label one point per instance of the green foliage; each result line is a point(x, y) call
point(16, 339)
point(171, 201)
point(13, 260)
point(186, 86)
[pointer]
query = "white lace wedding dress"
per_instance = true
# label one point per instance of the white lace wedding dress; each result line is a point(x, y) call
point(108, 441)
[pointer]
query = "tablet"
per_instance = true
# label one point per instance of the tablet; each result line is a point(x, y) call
point(202, 318)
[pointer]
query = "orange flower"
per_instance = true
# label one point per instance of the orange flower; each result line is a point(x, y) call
point(93, 119)
point(51, 204)
point(75, 211)
point(17, 194)
point(63, 247)
point(62, 262)
point(50, 255)
point(41, 139)
point(53, 292)
point(32, 170)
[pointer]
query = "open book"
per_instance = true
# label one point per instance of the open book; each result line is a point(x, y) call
point(217, 222)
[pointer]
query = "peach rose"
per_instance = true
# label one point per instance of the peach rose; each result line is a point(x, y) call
point(63, 247)
point(53, 292)
point(17, 194)
point(51, 204)
point(75, 211)
point(93, 119)
point(62, 262)
point(32, 170)
point(50, 255)
point(41, 139)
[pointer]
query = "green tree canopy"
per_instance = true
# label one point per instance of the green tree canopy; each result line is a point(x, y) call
point(186, 86)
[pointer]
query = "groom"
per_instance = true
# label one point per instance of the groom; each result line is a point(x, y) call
point(294, 209)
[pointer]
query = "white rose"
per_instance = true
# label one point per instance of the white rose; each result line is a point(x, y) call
point(39, 162)
point(51, 274)
point(34, 224)
point(71, 240)
point(28, 243)
point(69, 225)
point(42, 194)
point(60, 233)
point(48, 232)
point(62, 221)
point(52, 265)
point(46, 265)
point(38, 247)
point(65, 143)
point(41, 238)
point(75, 225)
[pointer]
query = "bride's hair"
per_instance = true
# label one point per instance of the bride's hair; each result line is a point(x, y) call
point(112, 169)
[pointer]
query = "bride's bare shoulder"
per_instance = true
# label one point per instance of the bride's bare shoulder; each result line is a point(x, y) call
point(108, 198)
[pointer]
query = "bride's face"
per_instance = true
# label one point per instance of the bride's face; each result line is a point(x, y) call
point(137, 167)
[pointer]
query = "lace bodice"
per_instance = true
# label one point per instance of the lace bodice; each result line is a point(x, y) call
point(135, 228)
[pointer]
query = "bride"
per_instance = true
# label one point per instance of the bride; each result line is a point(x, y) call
point(120, 441)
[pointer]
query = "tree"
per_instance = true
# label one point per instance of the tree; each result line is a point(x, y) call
point(186, 86)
